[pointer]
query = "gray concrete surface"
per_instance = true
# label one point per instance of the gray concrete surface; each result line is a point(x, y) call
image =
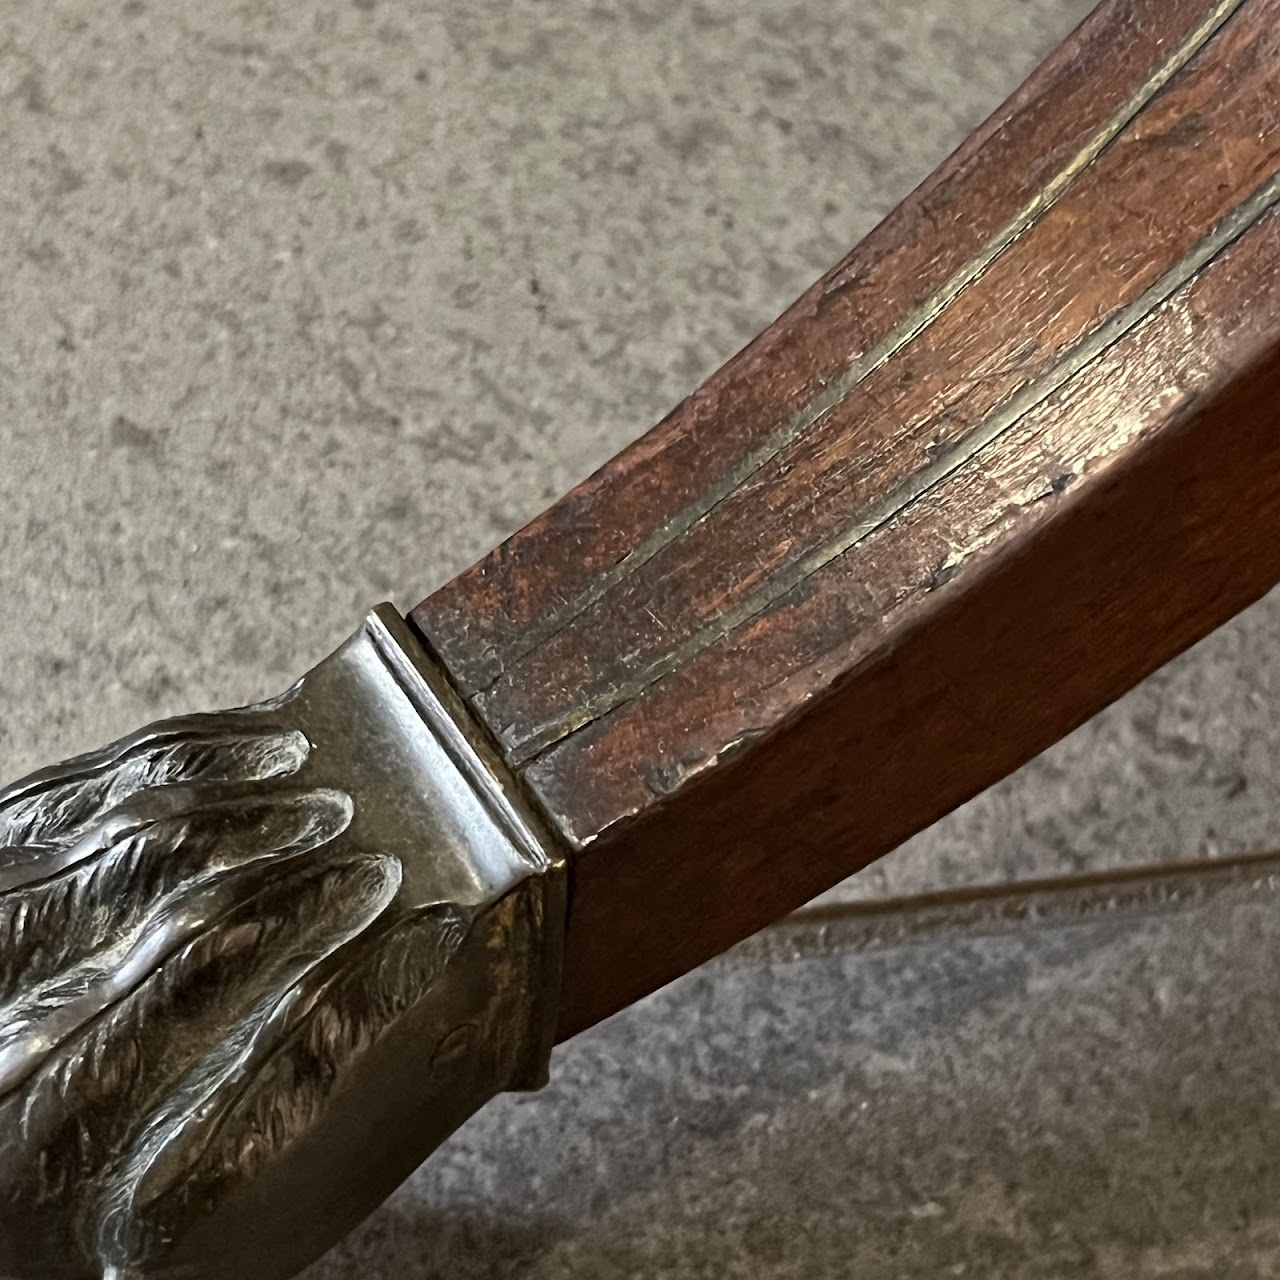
point(309, 302)
point(1097, 1102)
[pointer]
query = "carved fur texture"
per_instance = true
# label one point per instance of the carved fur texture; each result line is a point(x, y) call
point(192, 959)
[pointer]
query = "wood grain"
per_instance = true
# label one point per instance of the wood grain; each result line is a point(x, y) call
point(1018, 449)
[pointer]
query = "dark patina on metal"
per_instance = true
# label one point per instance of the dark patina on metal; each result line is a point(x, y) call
point(256, 965)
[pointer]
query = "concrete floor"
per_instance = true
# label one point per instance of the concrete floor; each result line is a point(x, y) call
point(310, 302)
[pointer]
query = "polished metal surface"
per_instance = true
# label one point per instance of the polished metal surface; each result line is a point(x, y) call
point(981, 1094)
point(255, 966)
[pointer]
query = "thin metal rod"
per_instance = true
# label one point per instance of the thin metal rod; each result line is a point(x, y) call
point(1005, 908)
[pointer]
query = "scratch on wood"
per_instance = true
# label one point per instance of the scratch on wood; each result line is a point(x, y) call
point(539, 633)
point(917, 486)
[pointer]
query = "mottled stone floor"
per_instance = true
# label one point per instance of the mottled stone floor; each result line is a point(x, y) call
point(309, 302)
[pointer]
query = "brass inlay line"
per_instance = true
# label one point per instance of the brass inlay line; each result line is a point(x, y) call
point(916, 486)
point(537, 634)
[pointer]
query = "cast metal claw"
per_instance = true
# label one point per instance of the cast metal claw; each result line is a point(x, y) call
point(255, 966)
